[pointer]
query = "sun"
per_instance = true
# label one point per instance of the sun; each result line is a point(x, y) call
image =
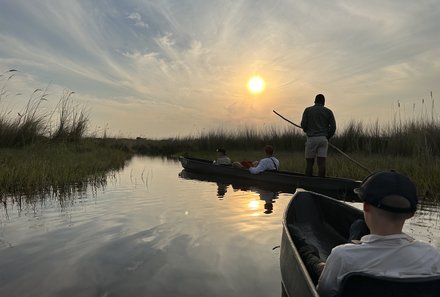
point(256, 84)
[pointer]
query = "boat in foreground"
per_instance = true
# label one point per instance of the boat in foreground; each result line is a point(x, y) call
point(325, 223)
point(340, 187)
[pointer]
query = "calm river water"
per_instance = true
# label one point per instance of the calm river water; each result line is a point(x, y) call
point(152, 231)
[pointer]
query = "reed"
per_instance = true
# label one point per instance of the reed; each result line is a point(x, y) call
point(72, 120)
point(409, 146)
point(32, 124)
point(51, 168)
point(47, 152)
point(411, 139)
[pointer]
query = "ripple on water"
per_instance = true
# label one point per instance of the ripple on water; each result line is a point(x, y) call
point(148, 232)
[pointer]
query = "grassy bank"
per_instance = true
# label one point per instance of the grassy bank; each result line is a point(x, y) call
point(53, 168)
point(416, 138)
point(45, 151)
point(411, 147)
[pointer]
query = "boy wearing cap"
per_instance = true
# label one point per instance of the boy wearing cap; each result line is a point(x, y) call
point(389, 199)
point(222, 159)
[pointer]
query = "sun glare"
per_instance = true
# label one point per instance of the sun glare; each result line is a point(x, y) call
point(253, 204)
point(256, 85)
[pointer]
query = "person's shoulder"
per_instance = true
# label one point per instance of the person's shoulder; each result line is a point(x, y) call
point(344, 249)
point(426, 246)
point(327, 109)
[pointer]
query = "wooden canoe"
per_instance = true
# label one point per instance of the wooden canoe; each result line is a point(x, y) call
point(334, 186)
point(325, 223)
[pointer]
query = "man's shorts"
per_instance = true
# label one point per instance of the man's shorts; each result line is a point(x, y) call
point(316, 147)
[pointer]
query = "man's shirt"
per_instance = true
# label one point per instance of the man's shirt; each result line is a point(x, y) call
point(318, 120)
point(271, 163)
point(223, 160)
point(397, 255)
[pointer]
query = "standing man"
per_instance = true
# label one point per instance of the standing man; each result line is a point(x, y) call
point(318, 122)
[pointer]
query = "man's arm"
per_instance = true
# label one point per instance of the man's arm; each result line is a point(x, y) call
point(262, 165)
point(304, 121)
point(330, 279)
point(332, 125)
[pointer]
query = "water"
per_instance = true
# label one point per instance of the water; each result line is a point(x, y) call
point(149, 232)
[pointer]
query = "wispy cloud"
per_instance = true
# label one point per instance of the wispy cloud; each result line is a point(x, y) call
point(170, 59)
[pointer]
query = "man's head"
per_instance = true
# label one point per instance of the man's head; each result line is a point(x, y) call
point(390, 191)
point(268, 149)
point(388, 197)
point(221, 151)
point(320, 99)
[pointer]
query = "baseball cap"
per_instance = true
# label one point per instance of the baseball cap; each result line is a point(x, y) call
point(379, 185)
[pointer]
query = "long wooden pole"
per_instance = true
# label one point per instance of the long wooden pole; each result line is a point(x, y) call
point(333, 146)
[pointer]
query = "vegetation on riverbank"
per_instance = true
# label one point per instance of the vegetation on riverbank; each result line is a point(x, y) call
point(53, 168)
point(411, 147)
point(46, 152)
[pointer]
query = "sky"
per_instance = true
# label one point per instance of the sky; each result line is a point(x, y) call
point(158, 69)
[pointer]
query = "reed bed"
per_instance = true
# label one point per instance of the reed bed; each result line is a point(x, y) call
point(411, 147)
point(411, 139)
point(53, 168)
point(45, 152)
point(67, 122)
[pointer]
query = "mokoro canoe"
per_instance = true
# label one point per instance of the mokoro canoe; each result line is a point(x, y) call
point(338, 187)
point(325, 223)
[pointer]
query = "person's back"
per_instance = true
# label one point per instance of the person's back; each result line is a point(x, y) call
point(222, 159)
point(318, 120)
point(268, 163)
point(389, 199)
point(393, 255)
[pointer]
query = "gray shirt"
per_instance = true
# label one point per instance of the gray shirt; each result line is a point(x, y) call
point(318, 120)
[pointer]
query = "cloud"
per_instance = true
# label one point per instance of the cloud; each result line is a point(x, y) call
point(136, 17)
point(196, 56)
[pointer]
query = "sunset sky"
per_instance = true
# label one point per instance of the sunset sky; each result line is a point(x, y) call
point(172, 68)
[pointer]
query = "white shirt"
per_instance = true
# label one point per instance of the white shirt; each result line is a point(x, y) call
point(222, 160)
point(397, 255)
point(265, 164)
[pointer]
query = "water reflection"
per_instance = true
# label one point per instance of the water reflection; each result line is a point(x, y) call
point(269, 199)
point(223, 182)
point(65, 196)
point(268, 195)
point(221, 190)
point(147, 232)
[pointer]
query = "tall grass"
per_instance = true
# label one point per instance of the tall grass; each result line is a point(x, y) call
point(67, 122)
point(72, 120)
point(415, 139)
point(53, 168)
point(45, 152)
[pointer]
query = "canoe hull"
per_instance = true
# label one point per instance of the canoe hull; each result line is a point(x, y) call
point(325, 223)
point(340, 187)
